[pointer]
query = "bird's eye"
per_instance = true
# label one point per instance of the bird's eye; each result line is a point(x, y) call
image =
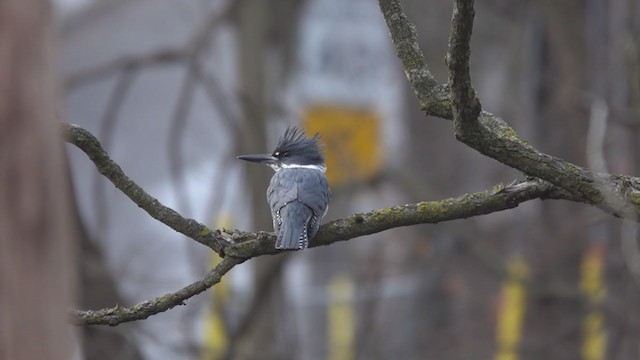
point(277, 153)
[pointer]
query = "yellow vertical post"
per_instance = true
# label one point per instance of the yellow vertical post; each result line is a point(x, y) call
point(592, 285)
point(512, 309)
point(341, 321)
point(216, 338)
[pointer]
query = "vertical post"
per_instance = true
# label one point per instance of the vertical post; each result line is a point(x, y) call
point(341, 318)
point(512, 309)
point(594, 340)
point(216, 336)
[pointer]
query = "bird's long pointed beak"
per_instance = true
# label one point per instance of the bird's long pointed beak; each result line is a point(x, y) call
point(259, 158)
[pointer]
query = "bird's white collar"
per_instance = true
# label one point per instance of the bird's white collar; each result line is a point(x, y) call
point(277, 167)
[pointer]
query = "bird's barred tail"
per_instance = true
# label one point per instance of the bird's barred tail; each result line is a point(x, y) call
point(294, 230)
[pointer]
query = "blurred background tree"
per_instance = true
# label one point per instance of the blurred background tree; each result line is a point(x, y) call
point(38, 231)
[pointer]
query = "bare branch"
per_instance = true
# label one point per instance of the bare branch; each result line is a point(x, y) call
point(85, 141)
point(498, 198)
point(264, 288)
point(492, 136)
point(195, 45)
point(178, 125)
point(159, 57)
point(117, 315)
point(466, 106)
point(116, 100)
point(216, 96)
point(405, 39)
point(596, 135)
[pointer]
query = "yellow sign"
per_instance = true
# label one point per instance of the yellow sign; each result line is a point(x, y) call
point(352, 138)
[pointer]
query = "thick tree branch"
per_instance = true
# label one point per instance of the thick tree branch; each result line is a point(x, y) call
point(434, 98)
point(239, 246)
point(117, 315)
point(615, 194)
point(465, 104)
point(246, 245)
point(498, 198)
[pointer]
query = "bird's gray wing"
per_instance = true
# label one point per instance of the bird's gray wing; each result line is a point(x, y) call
point(280, 192)
point(313, 191)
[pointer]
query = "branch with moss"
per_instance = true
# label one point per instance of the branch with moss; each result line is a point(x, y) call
point(88, 143)
point(498, 198)
point(238, 246)
point(618, 195)
point(118, 314)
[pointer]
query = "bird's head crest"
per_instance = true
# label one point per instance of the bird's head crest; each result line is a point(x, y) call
point(295, 147)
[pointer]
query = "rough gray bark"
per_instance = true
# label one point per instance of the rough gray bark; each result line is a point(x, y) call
point(490, 135)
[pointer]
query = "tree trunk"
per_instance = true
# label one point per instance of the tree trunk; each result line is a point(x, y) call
point(37, 233)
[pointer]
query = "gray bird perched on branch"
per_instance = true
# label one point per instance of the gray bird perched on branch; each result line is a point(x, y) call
point(298, 193)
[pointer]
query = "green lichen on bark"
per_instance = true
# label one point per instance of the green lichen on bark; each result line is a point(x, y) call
point(500, 197)
point(437, 102)
point(404, 35)
point(487, 133)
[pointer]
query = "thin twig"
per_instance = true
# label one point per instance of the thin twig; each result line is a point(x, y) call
point(217, 98)
point(197, 44)
point(116, 99)
point(86, 142)
point(176, 135)
point(130, 62)
point(117, 315)
point(263, 291)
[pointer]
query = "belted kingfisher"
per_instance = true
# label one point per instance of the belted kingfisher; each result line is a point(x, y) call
point(298, 193)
